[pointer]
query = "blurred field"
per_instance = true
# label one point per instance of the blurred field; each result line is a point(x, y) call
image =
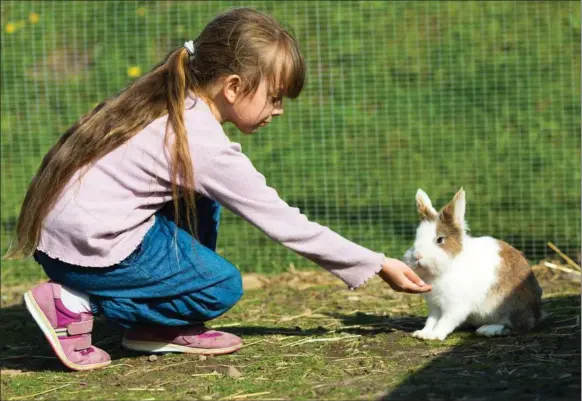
point(400, 95)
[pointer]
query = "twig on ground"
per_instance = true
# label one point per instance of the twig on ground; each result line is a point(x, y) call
point(356, 357)
point(564, 269)
point(243, 396)
point(564, 256)
point(21, 397)
point(314, 340)
point(256, 342)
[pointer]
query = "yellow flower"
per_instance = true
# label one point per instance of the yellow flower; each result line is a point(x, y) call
point(141, 11)
point(10, 27)
point(134, 71)
point(33, 18)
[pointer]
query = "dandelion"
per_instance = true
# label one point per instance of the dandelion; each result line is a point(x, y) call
point(134, 71)
point(33, 18)
point(141, 11)
point(10, 27)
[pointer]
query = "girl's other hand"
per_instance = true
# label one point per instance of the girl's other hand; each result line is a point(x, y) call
point(402, 278)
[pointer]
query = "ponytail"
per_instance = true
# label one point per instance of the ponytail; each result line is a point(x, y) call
point(178, 80)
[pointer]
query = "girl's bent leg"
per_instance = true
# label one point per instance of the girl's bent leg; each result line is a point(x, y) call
point(193, 307)
point(171, 280)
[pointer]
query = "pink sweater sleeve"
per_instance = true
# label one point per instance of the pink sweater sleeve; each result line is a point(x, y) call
point(226, 175)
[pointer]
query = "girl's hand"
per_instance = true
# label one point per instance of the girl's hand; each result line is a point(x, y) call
point(401, 277)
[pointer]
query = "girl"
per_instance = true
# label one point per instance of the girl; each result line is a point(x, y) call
point(123, 212)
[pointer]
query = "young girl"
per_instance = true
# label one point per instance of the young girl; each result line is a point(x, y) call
point(124, 210)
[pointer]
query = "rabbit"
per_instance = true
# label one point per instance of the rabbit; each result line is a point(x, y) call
point(481, 281)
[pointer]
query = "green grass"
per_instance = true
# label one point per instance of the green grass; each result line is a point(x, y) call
point(400, 95)
point(307, 337)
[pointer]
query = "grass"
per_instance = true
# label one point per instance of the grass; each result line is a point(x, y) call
point(400, 95)
point(307, 337)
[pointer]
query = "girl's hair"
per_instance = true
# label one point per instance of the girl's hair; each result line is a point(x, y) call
point(240, 41)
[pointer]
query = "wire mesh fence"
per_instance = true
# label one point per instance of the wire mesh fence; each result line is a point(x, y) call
point(400, 95)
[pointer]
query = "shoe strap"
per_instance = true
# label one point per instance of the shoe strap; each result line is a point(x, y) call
point(83, 342)
point(83, 327)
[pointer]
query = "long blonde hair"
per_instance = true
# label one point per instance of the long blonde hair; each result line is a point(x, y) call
point(239, 41)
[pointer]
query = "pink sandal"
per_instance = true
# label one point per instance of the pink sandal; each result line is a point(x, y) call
point(68, 333)
point(191, 340)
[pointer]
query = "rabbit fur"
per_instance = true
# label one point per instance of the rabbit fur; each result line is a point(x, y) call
point(481, 281)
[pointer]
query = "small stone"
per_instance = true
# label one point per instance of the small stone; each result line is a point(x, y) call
point(206, 397)
point(202, 357)
point(152, 358)
point(233, 372)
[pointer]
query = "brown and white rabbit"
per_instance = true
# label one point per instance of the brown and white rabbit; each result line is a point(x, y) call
point(479, 281)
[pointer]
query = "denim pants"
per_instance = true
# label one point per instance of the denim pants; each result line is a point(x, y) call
point(166, 281)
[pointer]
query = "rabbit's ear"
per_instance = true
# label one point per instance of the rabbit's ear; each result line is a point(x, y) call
point(454, 212)
point(424, 206)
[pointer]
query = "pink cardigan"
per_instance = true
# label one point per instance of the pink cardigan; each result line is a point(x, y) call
point(99, 220)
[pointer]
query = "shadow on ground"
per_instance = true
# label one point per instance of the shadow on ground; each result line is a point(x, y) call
point(543, 365)
point(25, 348)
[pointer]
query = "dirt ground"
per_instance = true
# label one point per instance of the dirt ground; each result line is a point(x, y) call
point(308, 337)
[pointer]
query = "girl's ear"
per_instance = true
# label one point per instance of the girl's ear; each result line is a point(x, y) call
point(424, 206)
point(231, 88)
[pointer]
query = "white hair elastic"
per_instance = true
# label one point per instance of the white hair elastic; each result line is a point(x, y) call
point(190, 48)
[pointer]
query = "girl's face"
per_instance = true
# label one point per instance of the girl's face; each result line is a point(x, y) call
point(249, 113)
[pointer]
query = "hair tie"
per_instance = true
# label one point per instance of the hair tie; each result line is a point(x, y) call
point(190, 48)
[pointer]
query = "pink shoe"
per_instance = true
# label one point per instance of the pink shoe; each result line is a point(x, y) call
point(191, 339)
point(67, 332)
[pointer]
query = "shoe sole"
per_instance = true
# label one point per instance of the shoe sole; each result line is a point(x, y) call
point(152, 346)
point(51, 336)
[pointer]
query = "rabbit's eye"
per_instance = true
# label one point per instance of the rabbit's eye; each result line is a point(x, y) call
point(440, 240)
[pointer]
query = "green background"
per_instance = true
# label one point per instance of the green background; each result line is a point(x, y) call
point(400, 95)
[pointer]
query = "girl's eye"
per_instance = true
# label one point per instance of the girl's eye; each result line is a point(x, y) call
point(440, 240)
point(276, 99)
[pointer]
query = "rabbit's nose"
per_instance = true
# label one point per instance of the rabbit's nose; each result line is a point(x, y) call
point(417, 256)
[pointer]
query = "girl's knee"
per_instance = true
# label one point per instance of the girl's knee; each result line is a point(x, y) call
point(233, 286)
point(224, 295)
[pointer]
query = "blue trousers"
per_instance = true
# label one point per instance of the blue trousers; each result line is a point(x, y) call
point(166, 281)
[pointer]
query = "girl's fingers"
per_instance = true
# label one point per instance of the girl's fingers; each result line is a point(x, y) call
point(414, 278)
point(412, 287)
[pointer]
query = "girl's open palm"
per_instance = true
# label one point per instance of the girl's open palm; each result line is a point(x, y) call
point(401, 277)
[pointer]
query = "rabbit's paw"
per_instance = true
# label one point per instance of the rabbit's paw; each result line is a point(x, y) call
point(424, 335)
point(490, 330)
point(428, 335)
